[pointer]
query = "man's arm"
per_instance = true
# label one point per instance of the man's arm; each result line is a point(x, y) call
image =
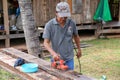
point(48, 47)
point(77, 41)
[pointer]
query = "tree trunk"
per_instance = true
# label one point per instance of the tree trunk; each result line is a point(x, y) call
point(30, 30)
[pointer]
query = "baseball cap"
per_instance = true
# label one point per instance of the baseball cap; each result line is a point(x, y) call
point(63, 9)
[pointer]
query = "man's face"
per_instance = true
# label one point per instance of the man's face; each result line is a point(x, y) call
point(61, 20)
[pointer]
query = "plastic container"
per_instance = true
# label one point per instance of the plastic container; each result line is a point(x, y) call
point(29, 67)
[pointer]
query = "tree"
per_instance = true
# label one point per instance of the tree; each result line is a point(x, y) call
point(30, 31)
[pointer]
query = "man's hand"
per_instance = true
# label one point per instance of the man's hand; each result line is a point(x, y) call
point(56, 57)
point(79, 54)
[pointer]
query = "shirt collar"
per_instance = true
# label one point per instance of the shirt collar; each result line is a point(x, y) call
point(55, 21)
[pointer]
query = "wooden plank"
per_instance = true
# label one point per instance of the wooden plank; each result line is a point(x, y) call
point(46, 8)
point(93, 6)
point(4, 65)
point(12, 36)
point(44, 65)
point(70, 4)
point(86, 11)
point(6, 22)
point(39, 11)
point(109, 31)
point(76, 6)
point(112, 24)
point(17, 35)
point(113, 36)
point(2, 37)
point(77, 18)
point(87, 27)
point(7, 62)
point(2, 31)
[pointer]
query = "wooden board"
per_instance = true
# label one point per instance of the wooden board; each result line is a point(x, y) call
point(44, 65)
point(82, 11)
point(7, 62)
point(11, 36)
point(87, 27)
point(44, 10)
point(112, 24)
point(16, 34)
point(109, 31)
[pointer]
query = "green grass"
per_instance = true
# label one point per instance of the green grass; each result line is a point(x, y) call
point(102, 58)
point(4, 75)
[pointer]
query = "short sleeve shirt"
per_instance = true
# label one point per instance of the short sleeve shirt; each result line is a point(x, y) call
point(54, 32)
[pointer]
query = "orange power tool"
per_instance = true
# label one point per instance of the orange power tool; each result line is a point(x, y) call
point(59, 64)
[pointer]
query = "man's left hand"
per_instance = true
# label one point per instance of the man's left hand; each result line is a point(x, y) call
point(79, 54)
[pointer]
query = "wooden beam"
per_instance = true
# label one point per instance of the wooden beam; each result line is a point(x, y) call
point(87, 27)
point(6, 22)
point(112, 24)
point(109, 31)
point(12, 36)
point(2, 37)
point(113, 36)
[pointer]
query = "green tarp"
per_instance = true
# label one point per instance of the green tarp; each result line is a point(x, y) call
point(103, 11)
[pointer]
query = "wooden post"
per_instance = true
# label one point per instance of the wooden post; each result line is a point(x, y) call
point(70, 4)
point(6, 22)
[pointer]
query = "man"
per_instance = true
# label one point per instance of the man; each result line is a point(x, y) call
point(58, 35)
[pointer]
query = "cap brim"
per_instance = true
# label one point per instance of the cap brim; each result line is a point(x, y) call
point(64, 14)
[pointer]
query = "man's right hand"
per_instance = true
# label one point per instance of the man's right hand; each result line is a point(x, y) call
point(56, 57)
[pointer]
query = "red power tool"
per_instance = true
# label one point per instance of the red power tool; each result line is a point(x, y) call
point(59, 64)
